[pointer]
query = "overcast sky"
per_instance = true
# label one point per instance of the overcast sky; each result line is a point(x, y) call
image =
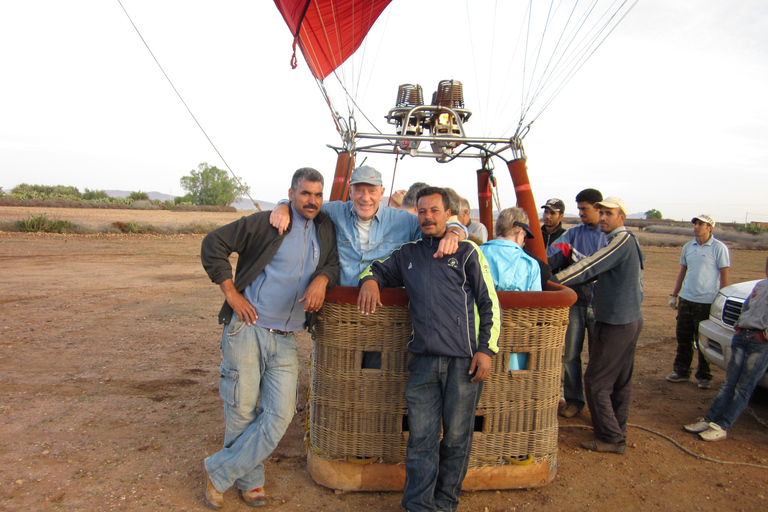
point(670, 113)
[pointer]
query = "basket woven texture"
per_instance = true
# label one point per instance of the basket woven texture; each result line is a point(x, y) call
point(358, 414)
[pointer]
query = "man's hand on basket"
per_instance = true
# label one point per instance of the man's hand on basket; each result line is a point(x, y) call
point(369, 297)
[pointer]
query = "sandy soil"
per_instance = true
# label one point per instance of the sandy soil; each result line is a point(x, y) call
point(108, 393)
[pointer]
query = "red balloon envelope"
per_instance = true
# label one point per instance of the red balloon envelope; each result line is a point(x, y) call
point(329, 31)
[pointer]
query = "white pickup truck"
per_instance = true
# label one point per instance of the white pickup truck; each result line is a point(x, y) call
point(715, 334)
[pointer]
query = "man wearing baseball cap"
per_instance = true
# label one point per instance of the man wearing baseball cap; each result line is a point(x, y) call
point(552, 220)
point(576, 244)
point(367, 231)
point(704, 266)
point(618, 268)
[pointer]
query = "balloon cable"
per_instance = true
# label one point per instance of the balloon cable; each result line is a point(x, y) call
point(394, 172)
point(188, 109)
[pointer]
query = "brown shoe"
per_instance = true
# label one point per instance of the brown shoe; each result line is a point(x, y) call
point(213, 498)
point(597, 445)
point(568, 411)
point(255, 498)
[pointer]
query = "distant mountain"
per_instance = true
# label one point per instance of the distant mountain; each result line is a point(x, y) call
point(246, 204)
point(242, 204)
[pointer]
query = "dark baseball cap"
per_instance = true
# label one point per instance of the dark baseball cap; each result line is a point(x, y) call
point(555, 204)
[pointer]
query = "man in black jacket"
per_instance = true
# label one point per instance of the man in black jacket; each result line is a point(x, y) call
point(456, 321)
point(552, 220)
point(280, 278)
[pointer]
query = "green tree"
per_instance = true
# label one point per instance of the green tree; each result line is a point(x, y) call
point(653, 214)
point(185, 199)
point(212, 186)
point(94, 195)
point(138, 196)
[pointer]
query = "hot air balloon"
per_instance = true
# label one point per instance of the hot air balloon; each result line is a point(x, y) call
point(515, 56)
point(518, 54)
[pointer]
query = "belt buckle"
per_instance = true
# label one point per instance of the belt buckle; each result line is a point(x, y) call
point(281, 333)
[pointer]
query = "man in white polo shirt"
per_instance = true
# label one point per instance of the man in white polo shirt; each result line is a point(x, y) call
point(704, 268)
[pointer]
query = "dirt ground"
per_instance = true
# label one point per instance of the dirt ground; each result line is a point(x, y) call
point(108, 393)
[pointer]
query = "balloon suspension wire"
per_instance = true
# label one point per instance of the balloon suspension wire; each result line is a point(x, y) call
point(495, 194)
point(352, 99)
point(234, 176)
point(340, 72)
point(561, 69)
point(394, 173)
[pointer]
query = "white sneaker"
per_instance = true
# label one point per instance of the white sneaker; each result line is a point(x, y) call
point(698, 426)
point(715, 433)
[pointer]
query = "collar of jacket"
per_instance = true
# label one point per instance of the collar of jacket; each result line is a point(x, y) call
point(319, 219)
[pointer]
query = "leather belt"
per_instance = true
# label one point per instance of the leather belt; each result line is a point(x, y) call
point(281, 333)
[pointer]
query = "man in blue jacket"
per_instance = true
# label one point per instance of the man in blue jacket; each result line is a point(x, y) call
point(455, 333)
point(618, 268)
point(574, 245)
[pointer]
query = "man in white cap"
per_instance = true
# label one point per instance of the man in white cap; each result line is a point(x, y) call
point(704, 266)
point(618, 268)
point(552, 220)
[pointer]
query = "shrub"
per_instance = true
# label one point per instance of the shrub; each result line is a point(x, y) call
point(187, 199)
point(94, 195)
point(132, 227)
point(24, 191)
point(143, 204)
point(42, 224)
point(198, 228)
point(138, 195)
point(752, 229)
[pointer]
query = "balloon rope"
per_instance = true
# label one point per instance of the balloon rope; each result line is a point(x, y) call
point(294, 62)
point(394, 172)
point(188, 109)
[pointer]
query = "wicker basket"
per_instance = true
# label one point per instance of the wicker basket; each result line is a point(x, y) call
point(358, 416)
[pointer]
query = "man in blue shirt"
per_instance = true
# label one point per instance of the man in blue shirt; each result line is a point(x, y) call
point(574, 245)
point(366, 230)
point(280, 279)
point(704, 266)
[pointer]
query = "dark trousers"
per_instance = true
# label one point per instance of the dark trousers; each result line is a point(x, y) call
point(689, 314)
point(608, 378)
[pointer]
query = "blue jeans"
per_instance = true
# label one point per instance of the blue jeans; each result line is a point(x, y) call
point(749, 360)
point(254, 361)
point(579, 319)
point(438, 391)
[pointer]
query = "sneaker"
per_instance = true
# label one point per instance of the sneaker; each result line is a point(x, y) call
point(676, 377)
point(705, 383)
point(698, 426)
point(715, 433)
point(568, 411)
